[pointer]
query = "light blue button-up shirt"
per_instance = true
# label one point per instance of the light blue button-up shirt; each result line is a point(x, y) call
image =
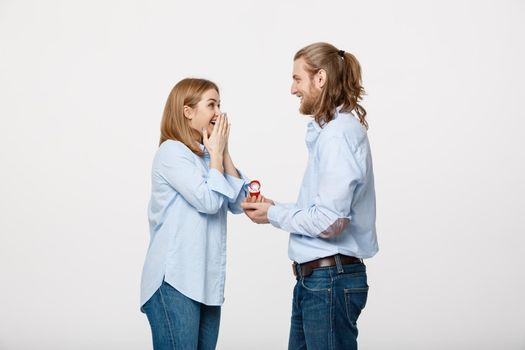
point(187, 219)
point(336, 209)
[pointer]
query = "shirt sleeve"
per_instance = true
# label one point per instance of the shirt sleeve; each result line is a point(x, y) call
point(285, 205)
point(239, 187)
point(340, 172)
point(205, 192)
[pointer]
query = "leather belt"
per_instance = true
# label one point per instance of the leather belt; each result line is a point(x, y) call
point(308, 267)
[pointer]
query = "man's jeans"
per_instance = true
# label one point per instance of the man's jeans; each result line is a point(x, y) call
point(178, 322)
point(326, 306)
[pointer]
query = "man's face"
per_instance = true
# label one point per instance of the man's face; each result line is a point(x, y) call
point(304, 87)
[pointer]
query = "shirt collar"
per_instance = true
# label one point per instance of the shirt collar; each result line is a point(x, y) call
point(312, 133)
point(313, 129)
point(203, 149)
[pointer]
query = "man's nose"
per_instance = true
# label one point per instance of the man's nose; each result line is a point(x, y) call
point(293, 90)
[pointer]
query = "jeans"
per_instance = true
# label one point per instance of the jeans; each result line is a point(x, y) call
point(178, 322)
point(326, 306)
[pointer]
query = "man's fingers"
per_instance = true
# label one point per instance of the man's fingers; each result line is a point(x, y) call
point(249, 205)
point(250, 214)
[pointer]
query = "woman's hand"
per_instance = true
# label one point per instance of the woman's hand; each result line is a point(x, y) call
point(226, 150)
point(217, 141)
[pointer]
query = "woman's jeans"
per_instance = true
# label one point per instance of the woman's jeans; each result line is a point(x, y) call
point(326, 306)
point(178, 322)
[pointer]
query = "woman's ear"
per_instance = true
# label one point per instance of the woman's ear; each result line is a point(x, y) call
point(320, 79)
point(188, 112)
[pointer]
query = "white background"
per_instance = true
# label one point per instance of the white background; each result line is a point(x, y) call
point(82, 89)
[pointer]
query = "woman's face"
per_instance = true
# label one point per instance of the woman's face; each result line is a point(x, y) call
point(204, 114)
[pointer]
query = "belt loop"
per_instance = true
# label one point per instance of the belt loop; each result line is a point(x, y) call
point(298, 270)
point(338, 264)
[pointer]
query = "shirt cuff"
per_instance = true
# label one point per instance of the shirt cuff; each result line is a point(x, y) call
point(276, 214)
point(237, 184)
point(218, 183)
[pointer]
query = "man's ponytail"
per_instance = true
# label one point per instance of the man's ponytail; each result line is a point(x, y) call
point(352, 86)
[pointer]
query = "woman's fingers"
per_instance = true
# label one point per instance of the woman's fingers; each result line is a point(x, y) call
point(226, 124)
point(223, 125)
point(213, 130)
point(217, 125)
point(220, 134)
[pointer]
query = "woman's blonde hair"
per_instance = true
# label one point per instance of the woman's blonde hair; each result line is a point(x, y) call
point(174, 125)
point(343, 81)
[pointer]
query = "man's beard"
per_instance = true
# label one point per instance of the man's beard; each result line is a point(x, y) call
point(309, 103)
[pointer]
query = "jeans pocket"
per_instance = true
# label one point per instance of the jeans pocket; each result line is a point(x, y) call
point(314, 284)
point(355, 302)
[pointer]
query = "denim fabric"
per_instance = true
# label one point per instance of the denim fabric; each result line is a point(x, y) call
point(178, 322)
point(326, 306)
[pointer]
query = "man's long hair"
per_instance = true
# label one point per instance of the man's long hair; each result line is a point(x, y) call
point(343, 81)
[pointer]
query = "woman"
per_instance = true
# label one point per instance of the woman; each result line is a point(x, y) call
point(194, 183)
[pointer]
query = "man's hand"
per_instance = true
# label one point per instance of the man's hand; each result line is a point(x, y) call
point(257, 209)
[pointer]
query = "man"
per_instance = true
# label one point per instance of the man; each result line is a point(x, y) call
point(332, 225)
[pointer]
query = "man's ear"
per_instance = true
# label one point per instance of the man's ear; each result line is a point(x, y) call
point(188, 112)
point(320, 79)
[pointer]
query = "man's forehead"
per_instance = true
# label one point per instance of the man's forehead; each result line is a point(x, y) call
point(299, 67)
